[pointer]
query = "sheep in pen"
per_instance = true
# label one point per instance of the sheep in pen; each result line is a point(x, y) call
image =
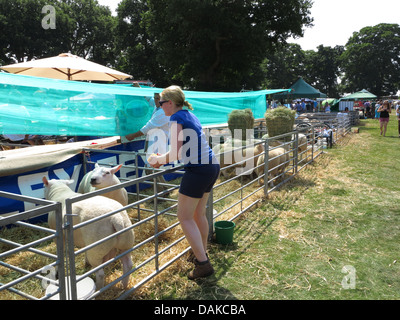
point(159, 242)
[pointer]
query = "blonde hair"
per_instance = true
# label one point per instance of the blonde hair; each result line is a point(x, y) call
point(176, 95)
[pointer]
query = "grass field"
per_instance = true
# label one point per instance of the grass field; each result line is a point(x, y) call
point(332, 233)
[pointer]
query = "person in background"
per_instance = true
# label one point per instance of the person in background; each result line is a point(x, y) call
point(384, 110)
point(298, 107)
point(327, 108)
point(158, 121)
point(23, 139)
point(303, 105)
point(378, 104)
point(367, 106)
point(201, 172)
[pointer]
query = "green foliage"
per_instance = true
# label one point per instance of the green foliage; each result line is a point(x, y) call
point(82, 27)
point(242, 120)
point(21, 33)
point(322, 69)
point(371, 60)
point(283, 65)
point(167, 41)
point(195, 51)
point(286, 62)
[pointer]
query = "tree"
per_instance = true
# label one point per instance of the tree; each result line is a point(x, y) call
point(82, 27)
point(22, 35)
point(214, 44)
point(86, 29)
point(282, 66)
point(136, 50)
point(371, 60)
point(322, 69)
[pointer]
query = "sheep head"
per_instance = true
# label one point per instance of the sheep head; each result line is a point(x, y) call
point(104, 177)
point(52, 184)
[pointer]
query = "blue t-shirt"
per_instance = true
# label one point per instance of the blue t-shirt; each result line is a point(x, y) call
point(196, 150)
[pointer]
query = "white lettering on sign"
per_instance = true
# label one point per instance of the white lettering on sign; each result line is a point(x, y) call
point(31, 185)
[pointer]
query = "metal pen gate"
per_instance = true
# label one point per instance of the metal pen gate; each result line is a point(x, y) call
point(152, 210)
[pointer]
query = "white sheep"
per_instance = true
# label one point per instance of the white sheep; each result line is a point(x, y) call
point(232, 152)
point(58, 190)
point(278, 160)
point(302, 144)
point(101, 177)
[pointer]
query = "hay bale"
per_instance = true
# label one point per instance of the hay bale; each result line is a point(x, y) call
point(241, 119)
point(279, 121)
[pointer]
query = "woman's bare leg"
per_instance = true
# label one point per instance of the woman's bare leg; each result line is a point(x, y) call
point(201, 219)
point(186, 211)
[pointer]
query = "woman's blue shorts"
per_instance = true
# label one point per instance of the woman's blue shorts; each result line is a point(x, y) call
point(198, 180)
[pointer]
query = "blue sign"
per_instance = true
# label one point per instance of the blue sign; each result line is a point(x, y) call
point(31, 184)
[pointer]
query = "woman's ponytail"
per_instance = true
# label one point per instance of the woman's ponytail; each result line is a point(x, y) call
point(188, 105)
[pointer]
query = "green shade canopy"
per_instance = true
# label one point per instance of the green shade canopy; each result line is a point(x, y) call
point(37, 105)
point(363, 94)
point(301, 89)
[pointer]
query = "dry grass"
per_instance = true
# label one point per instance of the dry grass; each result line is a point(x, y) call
point(172, 283)
point(31, 262)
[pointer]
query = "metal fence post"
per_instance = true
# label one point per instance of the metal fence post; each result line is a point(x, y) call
point(156, 224)
point(313, 143)
point(296, 152)
point(210, 214)
point(137, 184)
point(70, 250)
point(266, 169)
point(60, 251)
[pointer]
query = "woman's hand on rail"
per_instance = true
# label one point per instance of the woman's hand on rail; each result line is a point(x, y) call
point(155, 160)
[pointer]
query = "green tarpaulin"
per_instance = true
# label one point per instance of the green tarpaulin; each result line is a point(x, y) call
point(34, 105)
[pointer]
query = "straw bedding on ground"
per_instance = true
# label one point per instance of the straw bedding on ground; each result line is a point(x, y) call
point(177, 271)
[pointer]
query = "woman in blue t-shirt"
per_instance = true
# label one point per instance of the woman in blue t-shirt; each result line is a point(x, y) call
point(189, 145)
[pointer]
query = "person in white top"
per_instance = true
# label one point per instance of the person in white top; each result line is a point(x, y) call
point(156, 130)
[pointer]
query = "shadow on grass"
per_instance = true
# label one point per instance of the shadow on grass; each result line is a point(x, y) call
point(250, 228)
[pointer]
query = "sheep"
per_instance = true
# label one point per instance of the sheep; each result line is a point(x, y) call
point(58, 190)
point(231, 152)
point(100, 178)
point(278, 159)
point(302, 144)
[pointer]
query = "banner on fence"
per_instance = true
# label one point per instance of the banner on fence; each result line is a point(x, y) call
point(29, 183)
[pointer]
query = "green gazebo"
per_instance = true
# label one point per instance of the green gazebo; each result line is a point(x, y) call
point(300, 89)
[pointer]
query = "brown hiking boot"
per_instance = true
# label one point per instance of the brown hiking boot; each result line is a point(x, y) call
point(201, 270)
point(192, 258)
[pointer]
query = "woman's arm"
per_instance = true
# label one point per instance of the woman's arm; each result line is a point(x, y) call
point(174, 154)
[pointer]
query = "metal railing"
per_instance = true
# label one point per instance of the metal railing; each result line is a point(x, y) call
point(159, 241)
point(11, 250)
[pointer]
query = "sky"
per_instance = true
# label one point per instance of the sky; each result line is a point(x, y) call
point(335, 21)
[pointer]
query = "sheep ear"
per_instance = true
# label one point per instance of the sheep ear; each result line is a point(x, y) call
point(116, 169)
point(45, 181)
point(96, 165)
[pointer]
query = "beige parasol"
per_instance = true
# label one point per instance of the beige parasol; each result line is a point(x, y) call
point(66, 66)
